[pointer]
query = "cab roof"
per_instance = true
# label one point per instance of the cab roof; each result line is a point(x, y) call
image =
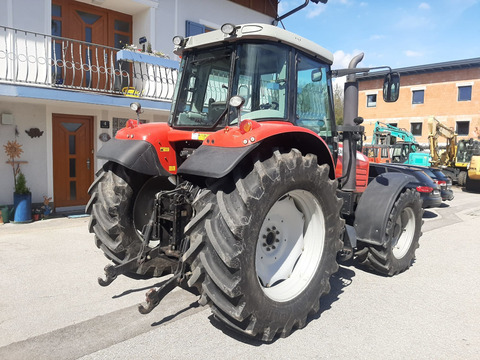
point(255, 31)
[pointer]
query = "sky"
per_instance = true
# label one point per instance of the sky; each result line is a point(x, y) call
point(397, 33)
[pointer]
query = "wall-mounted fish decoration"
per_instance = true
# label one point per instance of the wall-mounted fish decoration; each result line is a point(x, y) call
point(34, 132)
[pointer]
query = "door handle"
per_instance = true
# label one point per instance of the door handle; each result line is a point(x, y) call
point(88, 164)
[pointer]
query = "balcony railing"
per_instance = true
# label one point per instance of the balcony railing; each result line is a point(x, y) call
point(42, 60)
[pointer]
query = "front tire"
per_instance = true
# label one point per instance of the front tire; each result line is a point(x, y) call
point(401, 239)
point(268, 242)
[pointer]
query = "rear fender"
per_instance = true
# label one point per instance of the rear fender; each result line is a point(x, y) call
point(218, 161)
point(375, 206)
point(136, 155)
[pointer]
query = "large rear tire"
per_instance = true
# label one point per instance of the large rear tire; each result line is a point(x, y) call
point(114, 195)
point(401, 239)
point(268, 240)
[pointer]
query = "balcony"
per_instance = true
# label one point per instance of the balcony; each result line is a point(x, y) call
point(39, 60)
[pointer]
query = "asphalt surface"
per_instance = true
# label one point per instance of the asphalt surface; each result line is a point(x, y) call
point(51, 306)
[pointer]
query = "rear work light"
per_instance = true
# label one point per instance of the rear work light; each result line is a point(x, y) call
point(424, 189)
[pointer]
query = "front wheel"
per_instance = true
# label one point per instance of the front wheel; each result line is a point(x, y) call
point(268, 241)
point(401, 239)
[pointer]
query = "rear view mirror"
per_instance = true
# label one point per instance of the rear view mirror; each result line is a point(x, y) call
point(316, 75)
point(391, 87)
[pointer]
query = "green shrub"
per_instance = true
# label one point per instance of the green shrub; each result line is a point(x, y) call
point(21, 185)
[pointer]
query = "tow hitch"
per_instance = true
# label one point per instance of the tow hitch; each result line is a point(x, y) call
point(179, 278)
point(171, 210)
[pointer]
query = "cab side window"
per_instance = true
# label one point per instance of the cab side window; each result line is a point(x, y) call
point(313, 110)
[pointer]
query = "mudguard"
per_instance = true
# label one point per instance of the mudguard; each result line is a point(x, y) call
point(137, 155)
point(375, 206)
point(214, 162)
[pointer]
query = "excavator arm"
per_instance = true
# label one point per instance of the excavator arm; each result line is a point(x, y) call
point(437, 129)
point(383, 130)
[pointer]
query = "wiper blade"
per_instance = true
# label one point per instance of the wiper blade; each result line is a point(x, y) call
point(222, 115)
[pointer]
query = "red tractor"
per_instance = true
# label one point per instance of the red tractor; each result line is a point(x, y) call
point(250, 194)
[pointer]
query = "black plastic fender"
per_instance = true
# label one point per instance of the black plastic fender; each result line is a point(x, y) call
point(375, 206)
point(137, 155)
point(213, 161)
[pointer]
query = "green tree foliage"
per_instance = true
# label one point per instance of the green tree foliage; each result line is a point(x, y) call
point(338, 103)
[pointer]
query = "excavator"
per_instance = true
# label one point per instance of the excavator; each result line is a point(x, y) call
point(460, 160)
point(386, 148)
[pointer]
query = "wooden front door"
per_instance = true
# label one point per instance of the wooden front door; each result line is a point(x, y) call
point(72, 159)
point(86, 64)
point(88, 25)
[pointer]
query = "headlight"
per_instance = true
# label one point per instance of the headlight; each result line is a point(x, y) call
point(228, 29)
point(135, 106)
point(236, 101)
point(178, 40)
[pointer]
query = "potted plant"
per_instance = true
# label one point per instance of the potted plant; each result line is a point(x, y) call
point(22, 197)
point(22, 200)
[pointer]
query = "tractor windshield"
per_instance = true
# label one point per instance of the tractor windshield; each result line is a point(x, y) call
point(210, 78)
point(202, 91)
point(261, 79)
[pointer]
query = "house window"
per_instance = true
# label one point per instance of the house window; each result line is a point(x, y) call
point(372, 100)
point(418, 96)
point(465, 93)
point(463, 128)
point(416, 129)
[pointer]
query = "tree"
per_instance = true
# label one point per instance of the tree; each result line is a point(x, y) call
point(338, 102)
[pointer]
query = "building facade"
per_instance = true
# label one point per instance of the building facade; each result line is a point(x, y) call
point(69, 70)
point(449, 91)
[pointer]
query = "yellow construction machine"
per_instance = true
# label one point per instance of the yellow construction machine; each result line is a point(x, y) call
point(473, 175)
point(460, 160)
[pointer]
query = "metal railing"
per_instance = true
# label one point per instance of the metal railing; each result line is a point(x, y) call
point(49, 61)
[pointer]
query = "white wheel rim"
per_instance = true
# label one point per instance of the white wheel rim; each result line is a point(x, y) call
point(290, 245)
point(403, 233)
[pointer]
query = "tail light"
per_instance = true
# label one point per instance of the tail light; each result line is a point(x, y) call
point(248, 125)
point(424, 189)
point(131, 124)
point(441, 182)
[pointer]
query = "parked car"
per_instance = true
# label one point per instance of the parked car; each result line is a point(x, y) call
point(440, 179)
point(424, 184)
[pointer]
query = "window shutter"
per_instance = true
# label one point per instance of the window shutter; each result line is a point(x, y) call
point(193, 28)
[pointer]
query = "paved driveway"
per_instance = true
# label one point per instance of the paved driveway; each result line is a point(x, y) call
point(53, 308)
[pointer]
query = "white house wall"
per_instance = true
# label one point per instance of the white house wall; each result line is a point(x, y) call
point(26, 116)
point(157, 20)
point(32, 15)
point(212, 13)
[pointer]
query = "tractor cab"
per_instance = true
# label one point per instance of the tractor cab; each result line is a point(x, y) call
point(281, 78)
